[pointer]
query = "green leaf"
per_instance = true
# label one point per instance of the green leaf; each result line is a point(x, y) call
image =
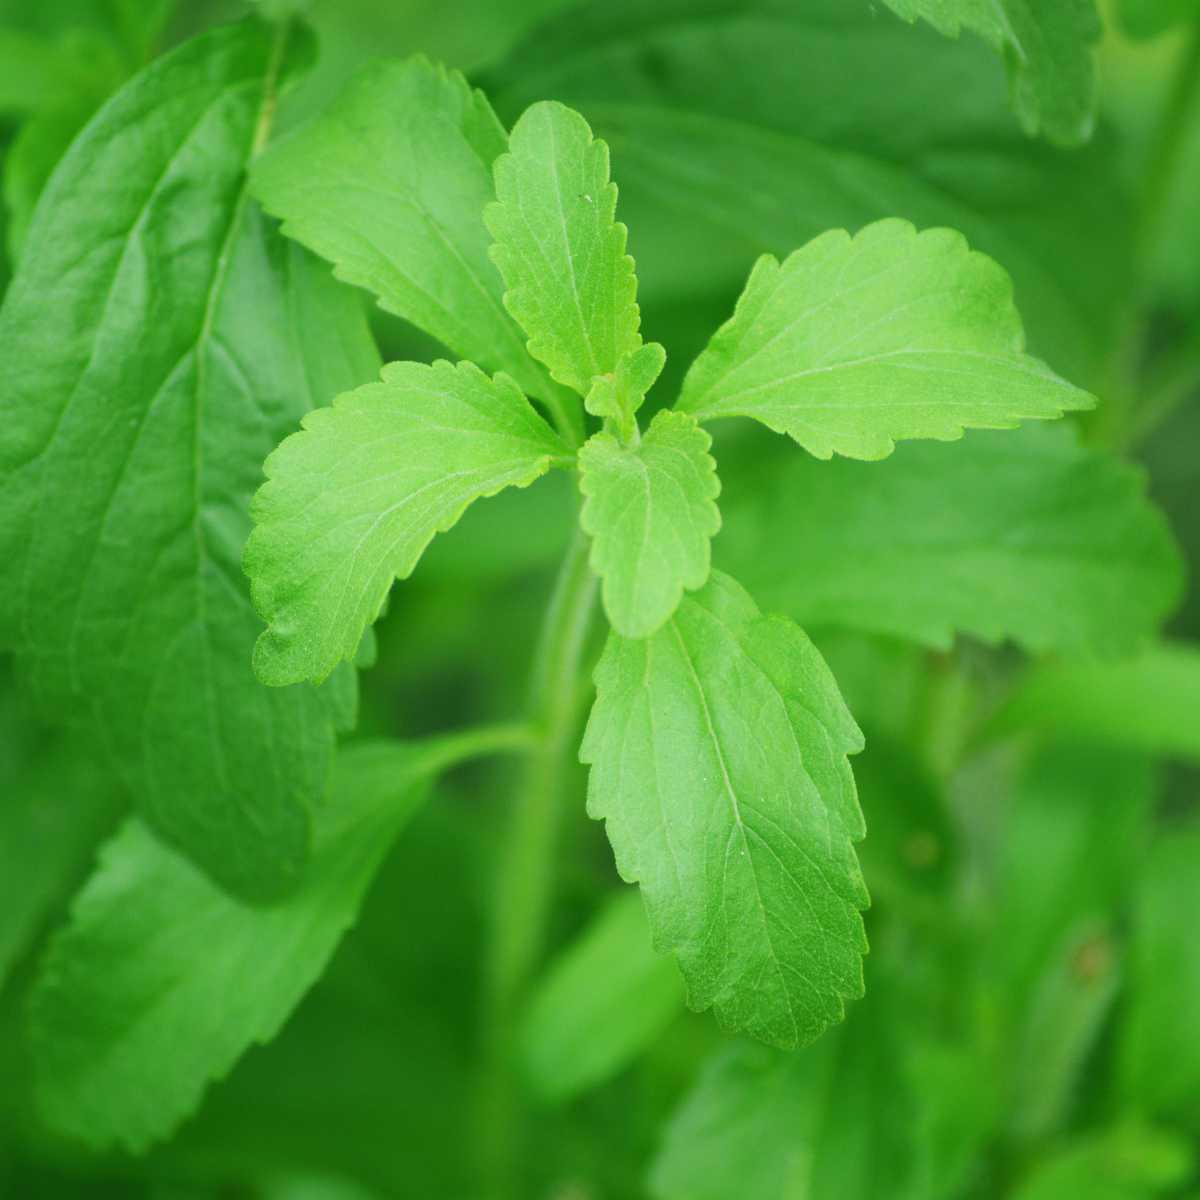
point(1067, 853)
point(389, 185)
point(161, 980)
point(1148, 702)
point(718, 752)
point(160, 339)
point(768, 123)
point(602, 1001)
point(351, 502)
point(619, 395)
point(1129, 1162)
point(1024, 535)
point(651, 511)
point(1048, 47)
point(56, 806)
point(1160, 1057)
point(840, 1119)
point(854, 343)
point(1149, 18)
point(571, 286)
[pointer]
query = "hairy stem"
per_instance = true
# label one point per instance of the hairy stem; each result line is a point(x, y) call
point(526, 872)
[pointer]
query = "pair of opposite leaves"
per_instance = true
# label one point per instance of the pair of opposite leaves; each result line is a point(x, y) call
point(718, 742)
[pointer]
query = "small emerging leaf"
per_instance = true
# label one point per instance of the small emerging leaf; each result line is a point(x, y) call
point(618, 396)
point(651, 512)
point(351, 502)
point(718, 752)
point(571, 285)
point(855, 343)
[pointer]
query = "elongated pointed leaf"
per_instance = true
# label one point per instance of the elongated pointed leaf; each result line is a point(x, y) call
point(560, 248)
point(351, 502)
point(1048, 46)
point(602, 1001)
point(161, 980)
point(1024, 535)
point(855, 343)
point(651, 512)
point(159, 339)
point(718, 752)
point(390, 185)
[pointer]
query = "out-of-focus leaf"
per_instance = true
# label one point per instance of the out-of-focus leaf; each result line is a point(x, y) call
point(1047, 45)
point(161, 980)
point(739, 127)
point(1126, 1163)
point(1069, 849)
point(600, 1003)
point(56, 802)
point(839, 1119)
point(1160, 1051)
point(1023, 535)
point(1145, 703)
point(1148, 18)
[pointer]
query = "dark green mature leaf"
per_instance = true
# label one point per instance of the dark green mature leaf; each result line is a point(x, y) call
point(1144, 703)
point(1160, 1057)
point(739, 127)
point(1023, 535)
point(1148, 18)
point(571, 286)
point(160, 339)
point(161, 980)
point(54, 807)
point(351, 502)
point(390, 185)
point(651, 511)
point(1048, 46)
point(718, 752)
point(602, 1001)
point(854, 343)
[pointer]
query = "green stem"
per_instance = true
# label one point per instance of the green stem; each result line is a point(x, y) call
point(1116, 422)
point(526, 871)
point(1162, 166)
point(444, 751)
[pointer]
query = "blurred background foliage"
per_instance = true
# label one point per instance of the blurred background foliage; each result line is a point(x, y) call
point(1032, 1023)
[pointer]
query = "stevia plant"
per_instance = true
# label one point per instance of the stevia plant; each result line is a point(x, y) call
point(185, 318)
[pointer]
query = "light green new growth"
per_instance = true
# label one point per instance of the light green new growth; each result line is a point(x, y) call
point(718, 751)
point(388, 185)
point(351, 502)
point(1048, 46)
point(617, 397)
point(651, 511)
point(571, 286)
point(855, 343)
